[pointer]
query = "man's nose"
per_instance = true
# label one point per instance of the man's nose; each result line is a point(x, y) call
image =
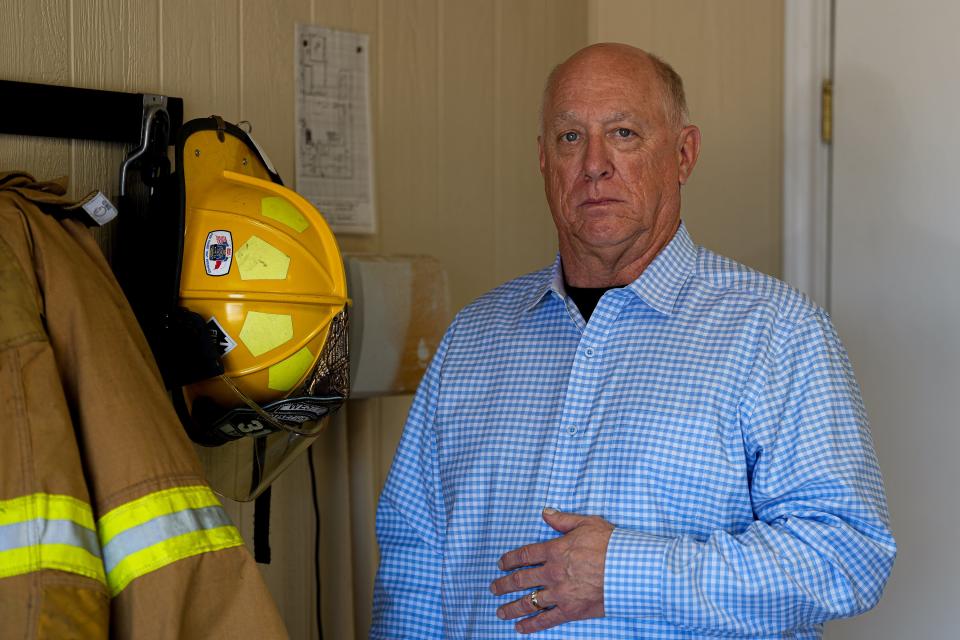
point(597, 164)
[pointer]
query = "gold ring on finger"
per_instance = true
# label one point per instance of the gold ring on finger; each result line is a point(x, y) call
point(534, 600)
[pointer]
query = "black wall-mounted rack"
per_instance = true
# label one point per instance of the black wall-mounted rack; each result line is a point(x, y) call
point(30, 109)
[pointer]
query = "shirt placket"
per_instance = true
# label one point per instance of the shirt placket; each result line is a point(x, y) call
point(574, 429)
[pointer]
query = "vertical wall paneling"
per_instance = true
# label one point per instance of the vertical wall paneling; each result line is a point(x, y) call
point(201, 56)
point(352, 15)
point(408, 132)
point(730, 55)
point(363, 420)
point(336, 542)
point(566, 24)
point(406, 117)
point(266, 99)
point(465, 161)
point(525, 234)
point(290, 574)
point(407, 153)
point(35, 47)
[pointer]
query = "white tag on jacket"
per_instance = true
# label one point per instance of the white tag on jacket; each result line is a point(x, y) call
point(100, 209)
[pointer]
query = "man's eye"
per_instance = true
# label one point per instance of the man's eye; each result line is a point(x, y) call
point(624, 133)
point(571, 136)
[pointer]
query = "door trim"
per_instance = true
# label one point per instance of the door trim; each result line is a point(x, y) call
point(806, 158)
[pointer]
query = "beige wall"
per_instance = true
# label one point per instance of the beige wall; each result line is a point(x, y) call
point(454, 86)
point(730, 55)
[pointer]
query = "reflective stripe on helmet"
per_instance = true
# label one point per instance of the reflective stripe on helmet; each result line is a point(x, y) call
point(45, 531)
point(160, 528)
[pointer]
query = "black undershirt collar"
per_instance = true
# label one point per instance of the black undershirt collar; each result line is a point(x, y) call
point(586, 298)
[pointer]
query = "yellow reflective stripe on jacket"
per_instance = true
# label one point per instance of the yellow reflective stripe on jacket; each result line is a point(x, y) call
point(61, 557)
point(46, 505)
point(152, 505)
point(163, 553)
point(160, 528)
point(47, 531)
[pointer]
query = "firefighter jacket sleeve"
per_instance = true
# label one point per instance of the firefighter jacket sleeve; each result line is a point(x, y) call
point(107, 526)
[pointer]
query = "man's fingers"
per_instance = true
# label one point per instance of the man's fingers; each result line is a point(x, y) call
point(563, 522)
point(525, 556)
point(545, 620)
point(524, 606)
point(519, 580)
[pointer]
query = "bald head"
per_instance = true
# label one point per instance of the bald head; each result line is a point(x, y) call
point(636, 64)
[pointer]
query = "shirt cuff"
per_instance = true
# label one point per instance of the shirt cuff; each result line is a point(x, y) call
point(633, 575)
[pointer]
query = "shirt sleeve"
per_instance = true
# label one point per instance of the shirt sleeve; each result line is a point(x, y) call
point(406, 597)
point(820, 546)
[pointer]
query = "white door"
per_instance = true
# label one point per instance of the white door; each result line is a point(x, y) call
point(895, 287)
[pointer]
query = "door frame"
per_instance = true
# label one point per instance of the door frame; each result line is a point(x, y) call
point(808, 39)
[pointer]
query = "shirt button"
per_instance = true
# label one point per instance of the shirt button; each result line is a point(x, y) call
point(588, 352)
point(572, 431)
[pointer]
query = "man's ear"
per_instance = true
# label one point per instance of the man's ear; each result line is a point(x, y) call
point(543, 158)
point(688, 151)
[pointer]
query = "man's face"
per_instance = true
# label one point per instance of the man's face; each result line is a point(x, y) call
point(611, 158)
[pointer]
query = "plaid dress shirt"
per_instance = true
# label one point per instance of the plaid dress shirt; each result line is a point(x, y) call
point(708, 411)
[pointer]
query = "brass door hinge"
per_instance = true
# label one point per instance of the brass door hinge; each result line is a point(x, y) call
point(826, 111)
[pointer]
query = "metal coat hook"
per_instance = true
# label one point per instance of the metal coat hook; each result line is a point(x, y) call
point(154, 135)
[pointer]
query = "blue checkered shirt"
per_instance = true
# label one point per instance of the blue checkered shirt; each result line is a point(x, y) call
point(708, 411)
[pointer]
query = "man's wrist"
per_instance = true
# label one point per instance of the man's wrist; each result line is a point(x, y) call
point(633, 574)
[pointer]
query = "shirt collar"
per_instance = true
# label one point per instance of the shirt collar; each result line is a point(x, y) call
point(661, 282)
point(550, 280)
point(659, 285)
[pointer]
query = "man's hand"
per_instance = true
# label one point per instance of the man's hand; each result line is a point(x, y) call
point(568, 571)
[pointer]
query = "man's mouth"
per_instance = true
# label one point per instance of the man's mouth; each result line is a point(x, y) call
point(598, 202)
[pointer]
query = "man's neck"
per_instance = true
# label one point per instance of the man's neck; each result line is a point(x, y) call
point(586, 268)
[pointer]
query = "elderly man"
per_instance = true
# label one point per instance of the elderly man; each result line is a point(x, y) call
point(645, 440)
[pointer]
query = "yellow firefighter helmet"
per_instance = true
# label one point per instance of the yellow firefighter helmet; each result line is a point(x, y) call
point(262, 268)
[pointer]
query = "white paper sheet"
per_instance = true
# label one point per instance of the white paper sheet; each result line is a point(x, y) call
point(334, 150)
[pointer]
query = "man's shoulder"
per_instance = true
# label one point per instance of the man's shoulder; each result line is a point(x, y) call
point(732, 280)
point(508, 299)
